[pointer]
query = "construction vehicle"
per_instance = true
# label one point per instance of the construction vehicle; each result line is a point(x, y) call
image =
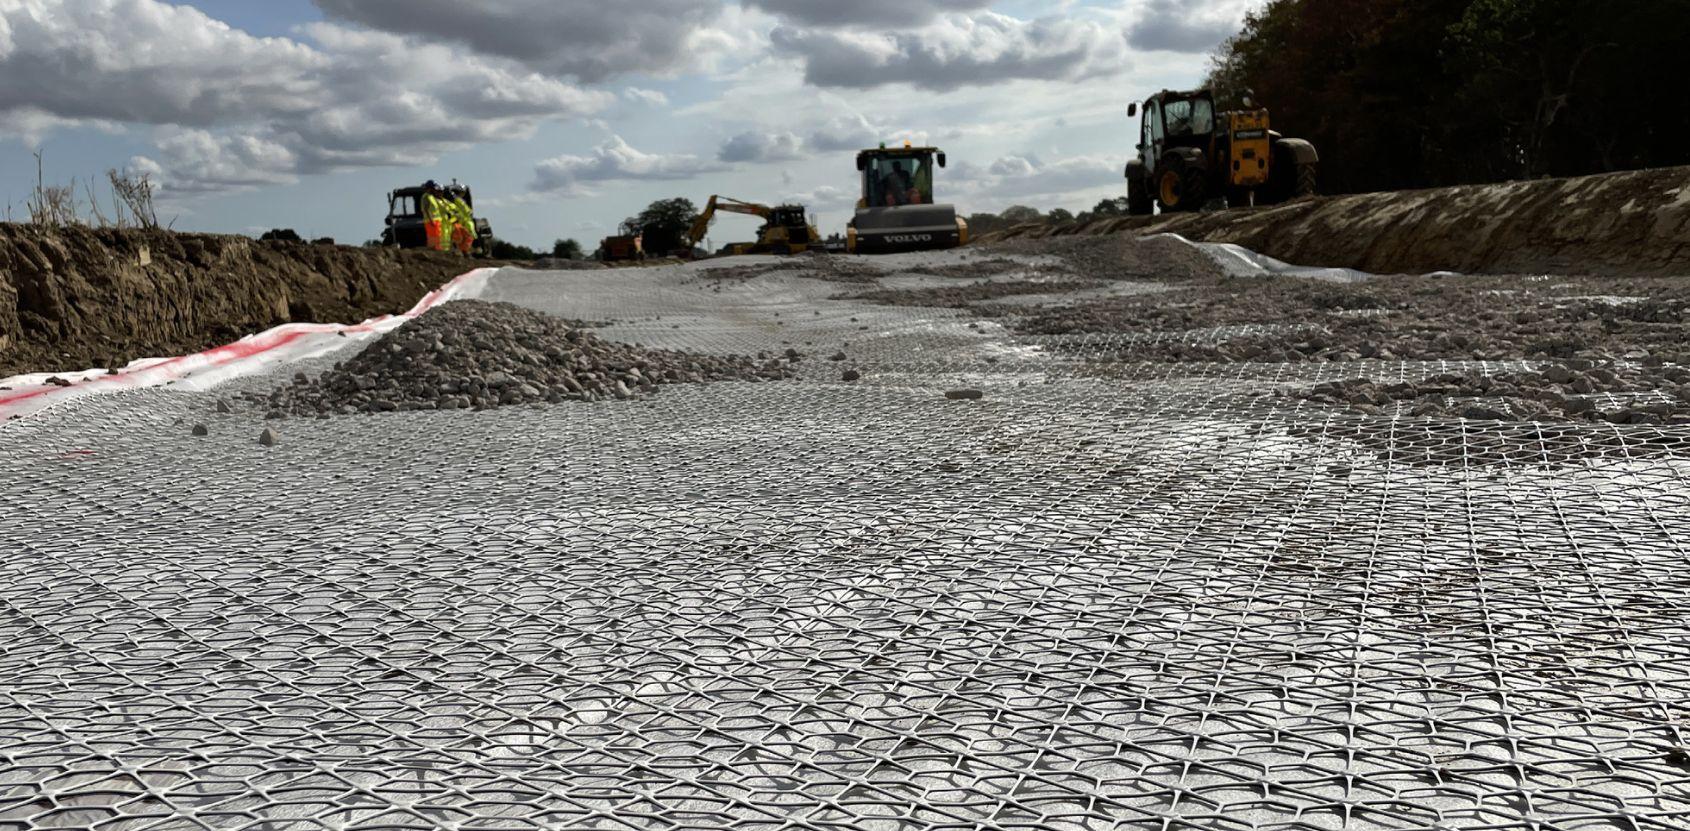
point(1189, 156)
point(627, 246)
point(897, 212)
point(786, 228)
point(405, 223)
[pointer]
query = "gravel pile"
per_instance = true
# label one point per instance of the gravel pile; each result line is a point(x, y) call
point(1648, 395)
point(471, 354)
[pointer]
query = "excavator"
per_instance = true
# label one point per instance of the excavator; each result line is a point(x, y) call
point(897, 212)
point(786, 228)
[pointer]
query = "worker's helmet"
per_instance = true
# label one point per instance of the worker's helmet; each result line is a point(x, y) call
point(431, 185)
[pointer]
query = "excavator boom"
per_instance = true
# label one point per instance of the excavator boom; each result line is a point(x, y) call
point(722, 203)
point(784, 230)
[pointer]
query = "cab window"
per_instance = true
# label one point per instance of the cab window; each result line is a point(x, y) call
point(1192, 116)
point(900, 180)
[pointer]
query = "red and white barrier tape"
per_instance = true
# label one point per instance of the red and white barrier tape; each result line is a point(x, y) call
point(282, 344)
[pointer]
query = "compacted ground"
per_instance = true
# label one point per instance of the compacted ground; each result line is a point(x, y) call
point(870, 543)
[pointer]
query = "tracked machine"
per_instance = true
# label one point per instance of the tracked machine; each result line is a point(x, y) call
point(786, 228)
point(897, 212)
point(1190, 156)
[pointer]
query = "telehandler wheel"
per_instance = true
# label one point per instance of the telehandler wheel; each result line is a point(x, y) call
point(1180, 188)
point(1139, 202)
point(1306, 177)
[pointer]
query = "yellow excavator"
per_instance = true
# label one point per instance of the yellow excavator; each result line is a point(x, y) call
point(786, 228)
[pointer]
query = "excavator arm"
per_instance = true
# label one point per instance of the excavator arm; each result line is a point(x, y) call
point(722, 203)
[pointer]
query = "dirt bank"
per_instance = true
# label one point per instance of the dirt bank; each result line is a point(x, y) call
point(1635, 223)
point(79, 297)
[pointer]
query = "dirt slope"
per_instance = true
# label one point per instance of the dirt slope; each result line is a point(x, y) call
point(1622, 223)
point(80, 297)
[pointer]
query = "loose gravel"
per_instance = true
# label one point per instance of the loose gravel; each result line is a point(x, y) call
point(471, 354)
point(1651, 395)
point(826, 267)
point(963, 296)
point(1123, 257)
point(1400, 317)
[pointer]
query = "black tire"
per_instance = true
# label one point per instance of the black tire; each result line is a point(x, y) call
point(1139, 202)
point(1306, 180)
point(1180, 187)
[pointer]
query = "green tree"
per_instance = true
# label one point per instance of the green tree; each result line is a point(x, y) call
point(983, 223)
point(503, 250)
point(1110, 207)
point(1414, 93)
point(566, 249)
point(1018, 214)
point(665, 224)
point(1059, 215)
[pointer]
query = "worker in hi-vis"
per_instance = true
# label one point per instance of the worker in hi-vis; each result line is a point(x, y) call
point(437, 217)
point(463, 226)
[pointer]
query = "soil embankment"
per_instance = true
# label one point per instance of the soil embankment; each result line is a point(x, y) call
point(1634, 223)
point(74, 298)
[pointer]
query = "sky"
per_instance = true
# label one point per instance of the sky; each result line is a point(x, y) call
point(567, 116)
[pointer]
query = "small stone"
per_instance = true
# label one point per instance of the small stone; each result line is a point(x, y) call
point(56, 381)
point(223, 407)
point(268, 438)
point(201, 430)
point(1481, 413)
point(965, 395)
point(837, 356)
point(850, 375)
point(792, 354)
point(274, 415)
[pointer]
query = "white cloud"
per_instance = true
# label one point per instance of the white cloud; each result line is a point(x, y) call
point(824, 198)
point(148, 62)
point(588, 39)
point(261, 110)
point(616, 160)
point(1026, 177)
point(218, 161)
point(646, 96)
point(956, 51)
point(1190, 26)
point(848, 131)
point(762, 146)
point(865, 12)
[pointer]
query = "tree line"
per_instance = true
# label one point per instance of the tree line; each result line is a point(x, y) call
point(1415, 93)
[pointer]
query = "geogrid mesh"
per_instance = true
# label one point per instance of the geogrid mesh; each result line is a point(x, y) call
point(1107, 596)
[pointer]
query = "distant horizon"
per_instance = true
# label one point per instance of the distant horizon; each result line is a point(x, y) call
point(568, 117)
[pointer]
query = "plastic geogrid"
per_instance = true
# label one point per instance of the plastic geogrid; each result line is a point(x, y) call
point(1106, 596)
